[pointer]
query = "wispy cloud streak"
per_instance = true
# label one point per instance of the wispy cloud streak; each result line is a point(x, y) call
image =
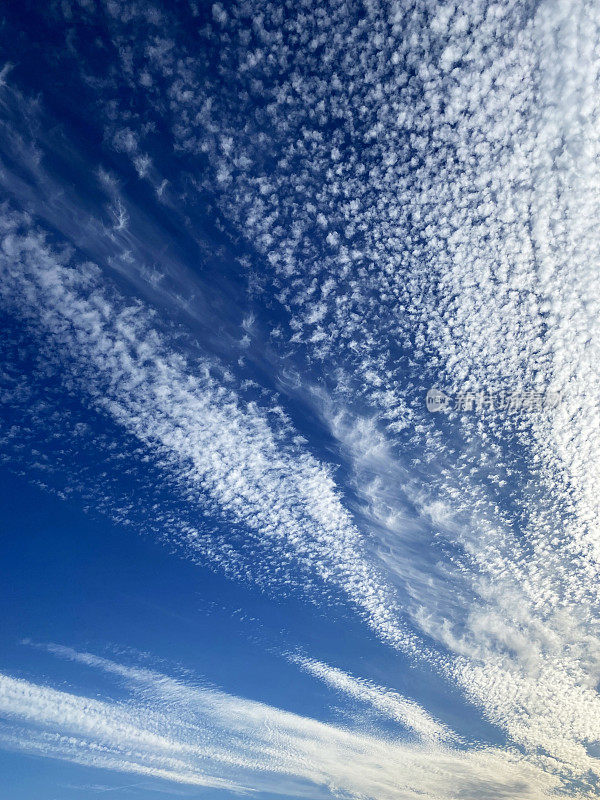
point(185, 734)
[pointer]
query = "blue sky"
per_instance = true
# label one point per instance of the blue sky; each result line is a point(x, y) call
point(239, 243)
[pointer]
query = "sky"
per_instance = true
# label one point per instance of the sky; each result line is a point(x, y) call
point(300, 439)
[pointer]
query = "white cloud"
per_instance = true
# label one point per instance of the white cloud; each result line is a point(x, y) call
point(185, 734)
point(385, 701)
point(226, 452)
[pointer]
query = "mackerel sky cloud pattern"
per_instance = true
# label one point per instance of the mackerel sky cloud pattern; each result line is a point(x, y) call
point(239, 242)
